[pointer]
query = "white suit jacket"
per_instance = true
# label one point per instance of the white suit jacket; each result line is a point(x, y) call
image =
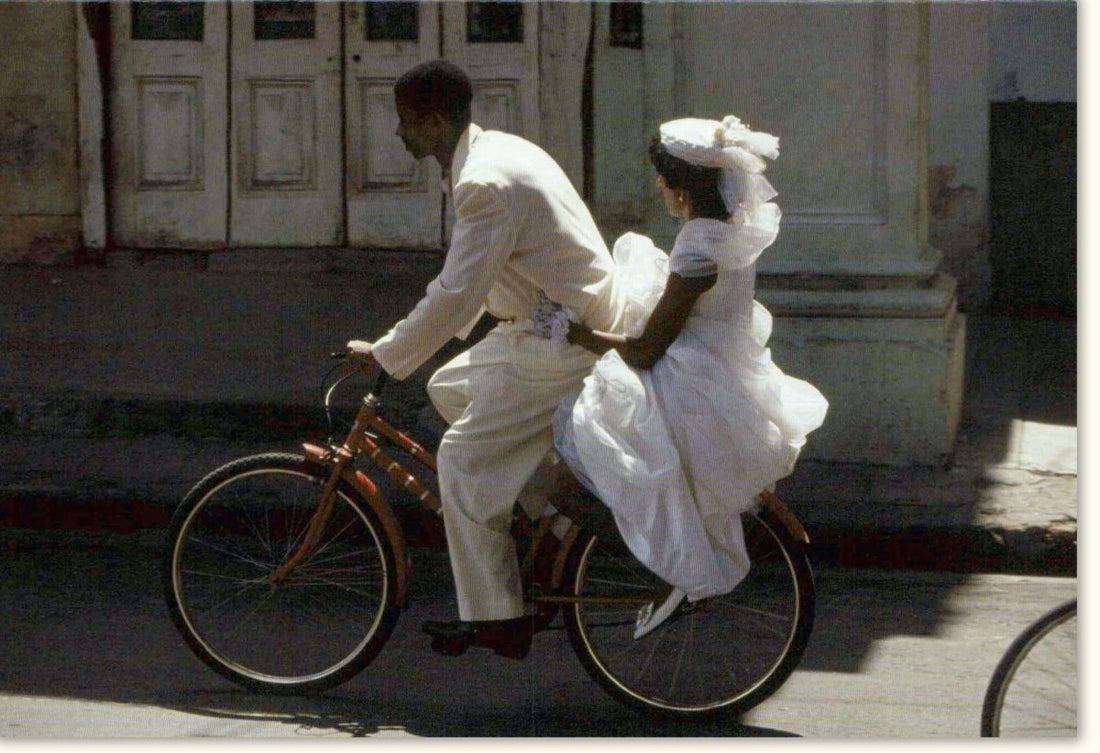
point(520, 227)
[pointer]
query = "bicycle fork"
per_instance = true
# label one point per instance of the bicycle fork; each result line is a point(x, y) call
point(339, 460)
point(318, 521)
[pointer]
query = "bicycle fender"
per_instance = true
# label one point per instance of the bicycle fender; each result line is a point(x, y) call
point(368, 491)
point(783, 514)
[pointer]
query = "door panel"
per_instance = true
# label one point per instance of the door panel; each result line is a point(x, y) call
point(168, 93)
point(170, 132)
point(496, 43)
point(238, 124)
point(287, 186)
point(392, 199)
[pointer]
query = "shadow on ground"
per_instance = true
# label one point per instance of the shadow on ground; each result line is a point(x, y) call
point(84, 617)
point(109, 638)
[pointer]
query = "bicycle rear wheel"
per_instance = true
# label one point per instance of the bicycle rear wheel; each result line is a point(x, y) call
point(1033, 690)
point(314, 630)
point(719, 656)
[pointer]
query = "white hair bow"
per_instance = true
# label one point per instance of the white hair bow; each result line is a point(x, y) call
point(742, 147)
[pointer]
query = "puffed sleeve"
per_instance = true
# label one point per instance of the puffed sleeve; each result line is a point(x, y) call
point(705, 246)
point(689, 260)
point(482, 240)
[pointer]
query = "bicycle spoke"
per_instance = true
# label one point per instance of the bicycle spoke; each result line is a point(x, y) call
point(324, 583)
point(722, 653)
point(239, 556)
point(674, 677)
point(335, 536)
point(219, 576)
point(650, 657)
point(263, 536)
point(335, 557)
point(238, 622)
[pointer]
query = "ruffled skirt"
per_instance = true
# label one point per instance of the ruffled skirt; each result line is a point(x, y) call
point(678, 452)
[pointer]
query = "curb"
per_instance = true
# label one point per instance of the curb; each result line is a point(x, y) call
point(963, 550)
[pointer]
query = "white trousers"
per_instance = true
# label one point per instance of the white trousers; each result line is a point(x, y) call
point(499, 399)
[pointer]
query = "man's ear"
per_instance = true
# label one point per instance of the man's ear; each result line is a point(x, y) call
point(440, 123)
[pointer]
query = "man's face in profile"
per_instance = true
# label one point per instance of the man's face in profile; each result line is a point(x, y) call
point(420, 132)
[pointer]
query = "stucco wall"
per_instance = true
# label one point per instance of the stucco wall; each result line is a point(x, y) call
point(978, 52)
point(859, 309)
point(39, 179)
point(958, 146)
point(1034, 51)
point(1009, 50)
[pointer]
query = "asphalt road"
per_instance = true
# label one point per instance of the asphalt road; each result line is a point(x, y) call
point(89, 652)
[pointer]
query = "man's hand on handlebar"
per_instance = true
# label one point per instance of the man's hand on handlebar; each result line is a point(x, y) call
point(360, 356)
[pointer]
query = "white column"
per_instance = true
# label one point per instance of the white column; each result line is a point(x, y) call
point(861, 308)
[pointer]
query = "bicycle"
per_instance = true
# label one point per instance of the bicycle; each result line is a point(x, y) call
point(287, 572)
point(1033, 689)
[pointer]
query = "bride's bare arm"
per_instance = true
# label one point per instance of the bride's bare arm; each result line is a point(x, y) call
point(664, 325)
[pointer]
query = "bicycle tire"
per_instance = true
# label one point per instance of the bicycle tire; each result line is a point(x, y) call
point(315, 630)
point(718, 657)
point(1033, 689)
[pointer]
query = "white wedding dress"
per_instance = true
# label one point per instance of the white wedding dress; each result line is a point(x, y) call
point(677, 452)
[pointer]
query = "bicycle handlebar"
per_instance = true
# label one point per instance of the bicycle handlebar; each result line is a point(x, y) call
point(380, 378)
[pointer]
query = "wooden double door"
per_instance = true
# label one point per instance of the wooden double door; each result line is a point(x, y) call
point(271, 124)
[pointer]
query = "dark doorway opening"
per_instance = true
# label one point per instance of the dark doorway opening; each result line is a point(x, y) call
point(1033, 209)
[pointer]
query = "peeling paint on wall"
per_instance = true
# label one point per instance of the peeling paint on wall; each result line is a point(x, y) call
point(1008, 88)
point(958, 227)
point(39, 176)
point(947, 202)
point(39, 240)
point(30, 144)
point(37, 157)
point(20, 141)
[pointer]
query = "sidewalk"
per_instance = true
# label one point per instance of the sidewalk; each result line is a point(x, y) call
point(1009, 498)
point(121, 386)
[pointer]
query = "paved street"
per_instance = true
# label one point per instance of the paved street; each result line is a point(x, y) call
point(89, 652)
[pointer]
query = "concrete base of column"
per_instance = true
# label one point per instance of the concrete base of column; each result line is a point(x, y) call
point(890, 361)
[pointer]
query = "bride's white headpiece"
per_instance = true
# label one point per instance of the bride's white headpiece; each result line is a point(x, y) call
point(732, 146)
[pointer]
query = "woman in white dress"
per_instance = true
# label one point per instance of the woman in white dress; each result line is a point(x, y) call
point(686, 419)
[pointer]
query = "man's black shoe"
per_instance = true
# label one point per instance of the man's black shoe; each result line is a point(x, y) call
point(508, 638)
point(449, 638)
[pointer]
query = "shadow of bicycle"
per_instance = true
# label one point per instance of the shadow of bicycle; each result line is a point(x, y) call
point(354, 715)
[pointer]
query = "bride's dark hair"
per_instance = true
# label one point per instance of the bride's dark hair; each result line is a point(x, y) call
point(701, 183)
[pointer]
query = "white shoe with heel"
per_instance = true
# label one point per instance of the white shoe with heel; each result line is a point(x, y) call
point(653, 614)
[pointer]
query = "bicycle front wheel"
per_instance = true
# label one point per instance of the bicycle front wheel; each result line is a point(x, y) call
point(1033, 690)
point(719, 656)
point(309, 632)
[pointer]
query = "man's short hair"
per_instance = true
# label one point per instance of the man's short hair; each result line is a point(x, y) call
point(437, 86)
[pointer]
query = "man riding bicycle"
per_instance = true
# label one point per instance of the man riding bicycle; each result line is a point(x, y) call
point(521, 233)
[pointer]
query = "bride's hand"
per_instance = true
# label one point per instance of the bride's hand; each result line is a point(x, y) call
point(576, 332)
